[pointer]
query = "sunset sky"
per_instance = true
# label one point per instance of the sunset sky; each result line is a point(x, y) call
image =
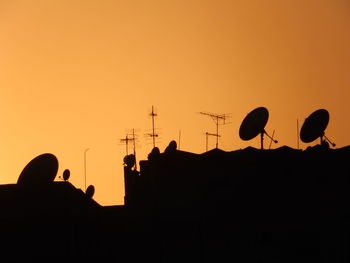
point(81, 74)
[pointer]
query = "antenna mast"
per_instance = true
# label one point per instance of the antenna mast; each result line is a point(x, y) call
point(153, 134)
point(219, 119)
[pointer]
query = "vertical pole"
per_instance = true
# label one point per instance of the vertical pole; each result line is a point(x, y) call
point(262, 140)
point(133, 138)
point(273, 133)
point(179, 138)
point(298, 134)
point(127, 144)
point(206, 141)
point(217, 132)
point(85, 166)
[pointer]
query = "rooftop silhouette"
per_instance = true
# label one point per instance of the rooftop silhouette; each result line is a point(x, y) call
point(250, 205)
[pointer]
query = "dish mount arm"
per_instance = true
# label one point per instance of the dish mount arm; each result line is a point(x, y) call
point(262, 138)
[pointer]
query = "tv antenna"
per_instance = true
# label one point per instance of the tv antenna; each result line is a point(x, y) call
point(314, 127)
point(219, 119)
point(254, 124)
point(153, 134)
point(130, 138)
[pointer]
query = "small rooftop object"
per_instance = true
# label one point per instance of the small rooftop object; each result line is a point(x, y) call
point(90, 190)
point(40, 171)
point(66, 174)
point(129, 160)
point(254, 124)
point(154, 153)
point(314, 127)
point(171, 147)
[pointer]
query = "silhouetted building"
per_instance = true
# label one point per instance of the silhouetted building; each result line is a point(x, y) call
point(249, 205)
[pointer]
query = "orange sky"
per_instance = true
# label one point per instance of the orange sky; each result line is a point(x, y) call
point(80, 74)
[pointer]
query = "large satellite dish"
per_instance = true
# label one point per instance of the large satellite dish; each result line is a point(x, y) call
point(314, 127)
point(254, 124)
point(41, 170)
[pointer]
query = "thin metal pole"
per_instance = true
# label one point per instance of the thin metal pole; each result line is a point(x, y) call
point(179, 138)
point(206, 141)
point(133, 138)
point(298, 134)
point(217, 132)
point(271, 139)
point(127, 144)
point(85, 165)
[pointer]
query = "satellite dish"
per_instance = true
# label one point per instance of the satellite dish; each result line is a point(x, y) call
point(254, 124)
point(66, 174)
point(41, 170)
point(314, 126)
point(90, 191)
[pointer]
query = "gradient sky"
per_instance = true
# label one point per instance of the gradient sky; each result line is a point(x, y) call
point(80, 74)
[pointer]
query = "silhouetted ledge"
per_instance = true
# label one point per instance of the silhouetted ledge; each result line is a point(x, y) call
point(51, 199)
point(184, 179)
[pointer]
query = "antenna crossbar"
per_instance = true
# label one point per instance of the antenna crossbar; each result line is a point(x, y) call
point(212, 134)
point(216, 117)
